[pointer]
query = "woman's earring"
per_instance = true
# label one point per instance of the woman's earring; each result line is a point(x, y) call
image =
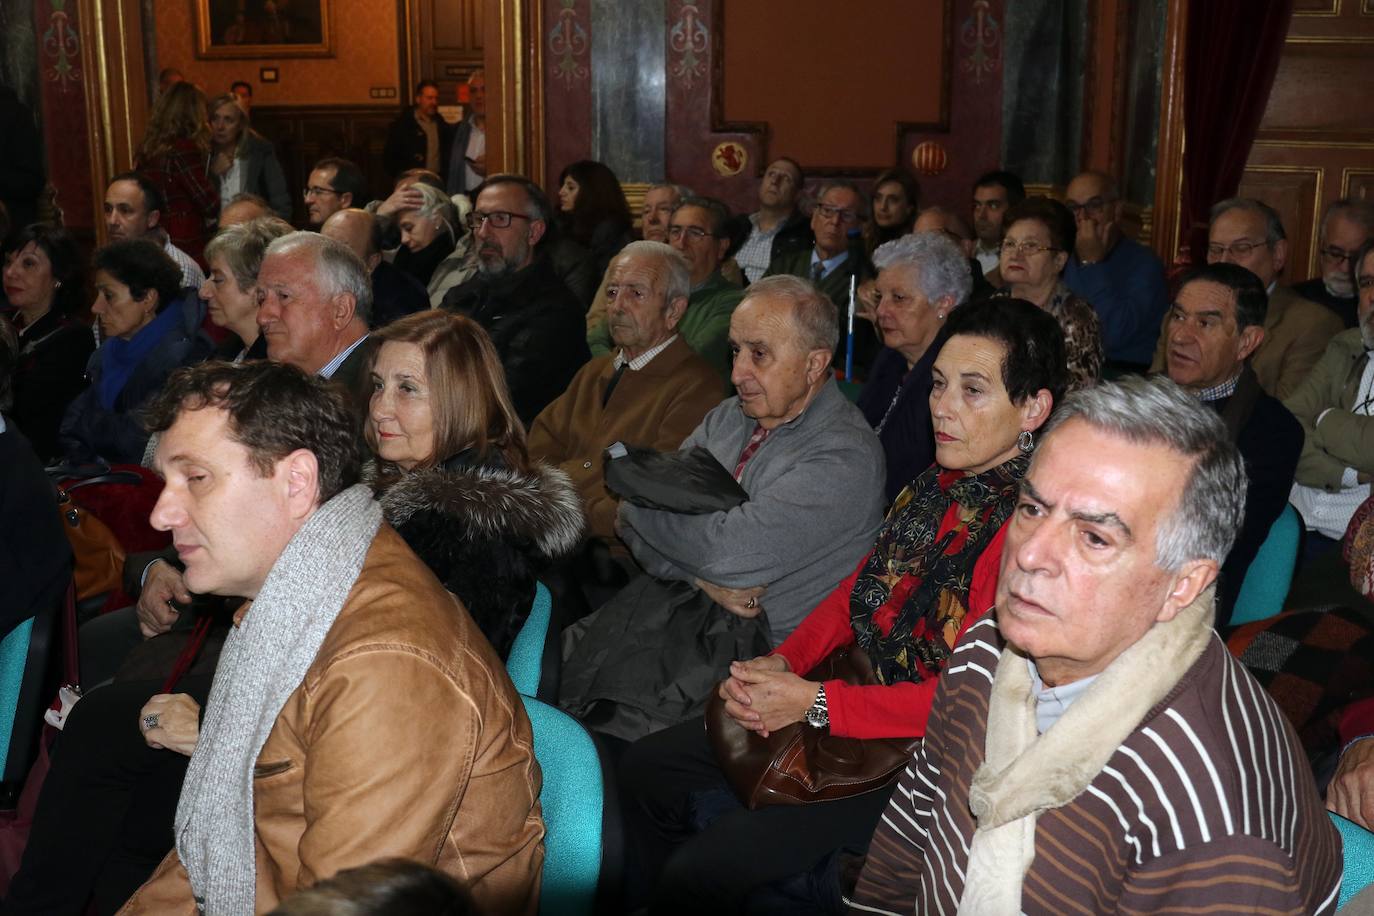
point(940, 316)
point(1025, 442)
point(57, 284)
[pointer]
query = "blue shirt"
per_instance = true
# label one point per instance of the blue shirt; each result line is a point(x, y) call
point(828, 264)
point(1128, 292)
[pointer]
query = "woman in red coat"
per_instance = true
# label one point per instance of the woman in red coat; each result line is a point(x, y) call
point(174, 156)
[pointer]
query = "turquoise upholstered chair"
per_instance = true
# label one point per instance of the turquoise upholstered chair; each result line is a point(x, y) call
point(573, 800)
point(525, 664)
point(14, 658)
point(1358, 845)
point(1271, 572)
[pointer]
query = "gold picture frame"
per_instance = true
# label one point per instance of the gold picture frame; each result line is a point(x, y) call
point(267, 29)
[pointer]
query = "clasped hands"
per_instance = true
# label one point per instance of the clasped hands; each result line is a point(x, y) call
point(763, 695)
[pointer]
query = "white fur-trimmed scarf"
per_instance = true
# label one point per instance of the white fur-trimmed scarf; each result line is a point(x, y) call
point(1024, 773)
point(262, 664)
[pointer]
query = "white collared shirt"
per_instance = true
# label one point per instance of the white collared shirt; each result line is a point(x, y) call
point(643, 359)
point(329, 368)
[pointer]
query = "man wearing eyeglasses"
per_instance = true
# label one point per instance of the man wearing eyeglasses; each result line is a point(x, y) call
point(1335, 405)
point(1122, 278)
point(534, 320)
point(334, 185)
point(1346, 225)
point(1249, 233)
point(837, 256)
point(697, 229)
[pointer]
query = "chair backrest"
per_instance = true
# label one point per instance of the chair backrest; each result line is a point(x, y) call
point(572, 799)
point(14, 658)
point(1358, 845)
point(1271, 572)
point(525, 662)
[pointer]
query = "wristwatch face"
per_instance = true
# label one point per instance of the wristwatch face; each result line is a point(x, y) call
point(817, 718)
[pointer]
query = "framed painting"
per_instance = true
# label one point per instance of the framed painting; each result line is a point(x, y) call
point(263, 28)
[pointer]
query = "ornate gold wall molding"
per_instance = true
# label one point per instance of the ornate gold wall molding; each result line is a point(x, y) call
point(515, 83)
point(1168, 209)
point(115, 86)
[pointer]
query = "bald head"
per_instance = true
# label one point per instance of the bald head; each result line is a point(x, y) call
point(356, 230)
point(241, 211)
point(943, 219)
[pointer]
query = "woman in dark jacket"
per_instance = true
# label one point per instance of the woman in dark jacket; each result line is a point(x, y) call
point(151, 327)
point(894, 204)
point(230, 289)
point(44, 282)
point(242, 160)
point(452, 472)
point(594, 223)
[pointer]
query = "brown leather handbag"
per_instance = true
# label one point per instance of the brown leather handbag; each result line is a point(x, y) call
point(98, 556)
point(801, 764)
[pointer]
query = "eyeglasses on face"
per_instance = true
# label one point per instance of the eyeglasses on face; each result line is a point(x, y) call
point(1240, 249)
point(1337, 255)
point(1093, 207)
point(499, 219)
point(845, 217)
point(1364, 282)
point(1027, 249)
point(693, 233)
point(317, 191)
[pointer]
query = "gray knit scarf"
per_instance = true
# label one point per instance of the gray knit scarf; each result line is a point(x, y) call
point(262, 664)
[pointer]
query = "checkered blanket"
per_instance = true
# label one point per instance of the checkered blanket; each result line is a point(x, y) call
point(1313, 663)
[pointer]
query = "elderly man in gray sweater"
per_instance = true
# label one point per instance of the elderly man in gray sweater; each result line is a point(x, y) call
point(813, 471)
point(812, 467)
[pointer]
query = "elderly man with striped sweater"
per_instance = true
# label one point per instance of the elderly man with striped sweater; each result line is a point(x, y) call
point(1093, 747)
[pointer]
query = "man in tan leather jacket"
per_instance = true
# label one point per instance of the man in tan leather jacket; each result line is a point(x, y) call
point(400, 734)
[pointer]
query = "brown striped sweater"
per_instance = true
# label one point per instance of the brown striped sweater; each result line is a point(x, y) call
point(1207, 807)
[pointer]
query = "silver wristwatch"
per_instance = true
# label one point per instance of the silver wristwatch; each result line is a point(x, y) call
point(818, 716)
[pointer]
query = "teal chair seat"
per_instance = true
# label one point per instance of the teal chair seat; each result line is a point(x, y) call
point(573, 802)
point(14, 658)
point(1358, 846)
point(525, 664)
point(1271, 572)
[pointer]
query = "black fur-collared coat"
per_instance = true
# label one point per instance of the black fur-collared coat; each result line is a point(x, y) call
point(487, 533)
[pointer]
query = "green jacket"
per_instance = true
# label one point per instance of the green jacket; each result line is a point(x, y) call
point(705, 325)
point(1343, 439)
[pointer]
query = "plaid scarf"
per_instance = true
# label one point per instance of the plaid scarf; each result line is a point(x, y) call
point(929, 574)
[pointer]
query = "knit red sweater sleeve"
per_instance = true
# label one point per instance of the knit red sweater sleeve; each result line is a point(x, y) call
point(877, 711)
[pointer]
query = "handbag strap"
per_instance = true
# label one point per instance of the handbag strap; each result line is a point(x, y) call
point(128, 477)
point(189, 653)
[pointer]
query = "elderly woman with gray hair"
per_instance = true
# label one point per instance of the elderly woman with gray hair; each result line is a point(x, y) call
point(921, 279)
point(435, 248)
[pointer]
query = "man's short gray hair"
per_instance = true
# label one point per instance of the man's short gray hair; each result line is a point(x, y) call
point(679, 190)
point(715, 209)
point(1155, 411)
point(337, 269)
point(1357, 211)
point(861, 208)
point(941, 268)
point(813, 314)
point(669, 262)
point(1273, 223)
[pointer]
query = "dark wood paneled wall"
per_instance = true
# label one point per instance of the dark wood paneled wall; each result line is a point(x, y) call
point(1316, 142)
point(305, 135)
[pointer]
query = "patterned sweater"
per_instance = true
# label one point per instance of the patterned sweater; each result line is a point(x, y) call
point(1208, 806)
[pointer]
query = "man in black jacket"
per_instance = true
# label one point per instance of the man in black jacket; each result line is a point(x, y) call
point(419, 138)
point(1216, 322)
point(536, 323)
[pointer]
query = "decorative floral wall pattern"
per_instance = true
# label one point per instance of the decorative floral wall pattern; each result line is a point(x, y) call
point(981, 36)
point(689, 41)
point(569, 45)
point(61, 49)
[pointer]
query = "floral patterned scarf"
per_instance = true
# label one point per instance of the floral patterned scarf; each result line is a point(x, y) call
point(932, 572)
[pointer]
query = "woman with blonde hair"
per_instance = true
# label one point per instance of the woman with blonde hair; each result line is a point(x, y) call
point(453, 474)
point(436, 248)
point(173, 157)
point(242, 160)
